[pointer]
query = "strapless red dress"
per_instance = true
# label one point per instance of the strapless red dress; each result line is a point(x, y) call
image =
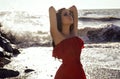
point(69, 51)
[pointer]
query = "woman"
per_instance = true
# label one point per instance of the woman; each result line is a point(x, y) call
point(67, 45)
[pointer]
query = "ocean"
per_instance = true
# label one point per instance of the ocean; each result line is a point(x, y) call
point(33, 29)
point(100, 16)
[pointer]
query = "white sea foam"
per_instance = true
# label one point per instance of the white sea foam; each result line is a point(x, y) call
point(36, 25)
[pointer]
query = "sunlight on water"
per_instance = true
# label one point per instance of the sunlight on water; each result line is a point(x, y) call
point(24, 21)
point(40, 59)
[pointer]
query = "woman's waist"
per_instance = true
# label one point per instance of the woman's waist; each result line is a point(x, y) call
point(71, 62)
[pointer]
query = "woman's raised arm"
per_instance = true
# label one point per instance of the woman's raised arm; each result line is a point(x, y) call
point(56, 35)
point(73, 9)
point(53, 20)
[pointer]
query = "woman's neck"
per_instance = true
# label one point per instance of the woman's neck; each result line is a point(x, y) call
point(65, 30)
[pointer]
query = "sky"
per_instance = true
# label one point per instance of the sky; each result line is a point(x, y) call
point(42, 6)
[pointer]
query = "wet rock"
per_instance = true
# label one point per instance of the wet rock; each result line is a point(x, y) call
point(28, 70)
point(51, 75)
point(9, 50)
point(16, 52)
point(95, 35)
point(110, 33)
point(5, 73)
point(5, 44)
point(4, 61)
point(2, 54)
point(1, 64)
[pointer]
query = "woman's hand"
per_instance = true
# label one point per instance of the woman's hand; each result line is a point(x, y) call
point(52, 9)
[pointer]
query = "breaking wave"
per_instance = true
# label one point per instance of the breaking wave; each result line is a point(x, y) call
point(109, 18)
point(108, 33)
point(17, 27)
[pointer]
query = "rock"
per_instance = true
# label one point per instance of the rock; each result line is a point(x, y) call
point(5, 44)
point(16, 52)
point(5, 73)
point(1, 64)
point(110, 33)
point(95, 35)
point(28, 70)
point(51, 75)
point(4, 61)
point(2, 54)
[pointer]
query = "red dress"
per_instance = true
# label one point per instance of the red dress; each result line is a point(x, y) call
point(69, 51)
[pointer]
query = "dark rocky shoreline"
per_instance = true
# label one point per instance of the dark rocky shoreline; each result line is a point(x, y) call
point(7, 51)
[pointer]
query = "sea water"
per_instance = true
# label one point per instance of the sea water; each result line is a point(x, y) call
point(36, 26)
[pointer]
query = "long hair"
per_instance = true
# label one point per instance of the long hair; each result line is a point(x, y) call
point(59, 23)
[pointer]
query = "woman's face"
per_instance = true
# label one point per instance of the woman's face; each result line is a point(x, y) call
point(67, 18)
